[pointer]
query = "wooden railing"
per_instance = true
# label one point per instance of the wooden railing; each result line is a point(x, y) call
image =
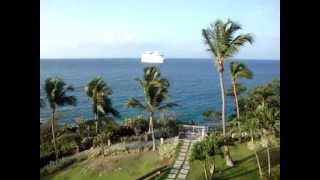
point(154, 173)
point(200, 131)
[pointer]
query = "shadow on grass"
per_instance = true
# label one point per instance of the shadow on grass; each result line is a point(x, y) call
point(244, 159)
point(239, 162)
point(235, 174)
point(274, 155)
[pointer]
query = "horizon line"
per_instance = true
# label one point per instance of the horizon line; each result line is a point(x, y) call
point(97, 58)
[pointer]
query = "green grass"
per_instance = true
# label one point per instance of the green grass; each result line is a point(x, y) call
point(245, 165)
point(123, 167)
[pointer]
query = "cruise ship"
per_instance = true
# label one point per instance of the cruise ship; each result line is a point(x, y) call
point(152, 57)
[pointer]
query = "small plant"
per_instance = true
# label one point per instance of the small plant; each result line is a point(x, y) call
point(168, 151)
point(205, 151)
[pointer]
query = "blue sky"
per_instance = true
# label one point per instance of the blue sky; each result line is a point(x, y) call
point(127, 28)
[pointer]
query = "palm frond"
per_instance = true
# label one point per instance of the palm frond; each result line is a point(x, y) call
point(67, 100)
point(56, 90)
point(240, 70)
point(134, 103)
point(209, 43)
point(167, 106)
point(140, 81)
point(221, 41)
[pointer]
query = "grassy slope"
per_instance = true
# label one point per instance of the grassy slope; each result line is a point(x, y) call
point(122, 168)
point(244, 169)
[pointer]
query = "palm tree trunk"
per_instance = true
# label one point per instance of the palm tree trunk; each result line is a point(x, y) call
point(152, 132)
point(258, 163)
point(223, 102)
point(236, 104)
point(257, 157)
point(269, 162)
point(205, 171)
point(53, 135)
point(236, 97)
point(97, 123)
point(227, 156)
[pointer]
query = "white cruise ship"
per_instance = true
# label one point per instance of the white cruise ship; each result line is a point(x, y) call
point(152, 57)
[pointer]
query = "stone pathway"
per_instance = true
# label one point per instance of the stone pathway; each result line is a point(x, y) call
point(181, 167)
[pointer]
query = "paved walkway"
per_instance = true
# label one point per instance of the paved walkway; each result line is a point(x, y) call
point(181, 166)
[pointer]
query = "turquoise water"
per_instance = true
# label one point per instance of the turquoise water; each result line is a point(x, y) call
point(194, 83)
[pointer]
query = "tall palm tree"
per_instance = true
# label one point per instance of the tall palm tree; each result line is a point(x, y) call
point(222, 43)
point(237, 71)
point(98, 91)
point(56, 95)
point(155, 90)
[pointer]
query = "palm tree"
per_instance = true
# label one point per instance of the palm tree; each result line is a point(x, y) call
point(260, 124)
point(252, 125)
point(155, 90)
point(237, 71)
point(56, 95)
point(98, 91)
point(222, 44)
point(268, 121)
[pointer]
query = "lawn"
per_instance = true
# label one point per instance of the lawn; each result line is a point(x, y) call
point(245, 165)
point(129, 166)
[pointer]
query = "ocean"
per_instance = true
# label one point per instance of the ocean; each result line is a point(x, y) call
point(194, 84)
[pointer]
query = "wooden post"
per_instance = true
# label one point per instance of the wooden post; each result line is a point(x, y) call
point(202, 133)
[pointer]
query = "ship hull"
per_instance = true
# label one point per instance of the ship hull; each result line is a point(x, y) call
point(152, 59)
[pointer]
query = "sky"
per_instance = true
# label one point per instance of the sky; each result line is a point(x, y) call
point(127, 28)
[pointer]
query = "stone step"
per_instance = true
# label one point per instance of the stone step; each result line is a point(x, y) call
point(186, 167)
point(176, 166)
point(181, 176)
point(174, 171)
point(172, 176)
point(184, 171)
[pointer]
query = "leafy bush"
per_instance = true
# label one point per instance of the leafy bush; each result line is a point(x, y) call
point(123, 131)
point(102, 138)
point(204, 149)
point(45, 159)
point(139, 124)
point(169, 127)
point(86, 143)
point(168, 151)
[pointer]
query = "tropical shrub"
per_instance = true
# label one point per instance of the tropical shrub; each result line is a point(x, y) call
point(139, 124)
point(168, 150)
point(203, 149)
point(123, 131)
point(86, 143)
point(169, 127)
